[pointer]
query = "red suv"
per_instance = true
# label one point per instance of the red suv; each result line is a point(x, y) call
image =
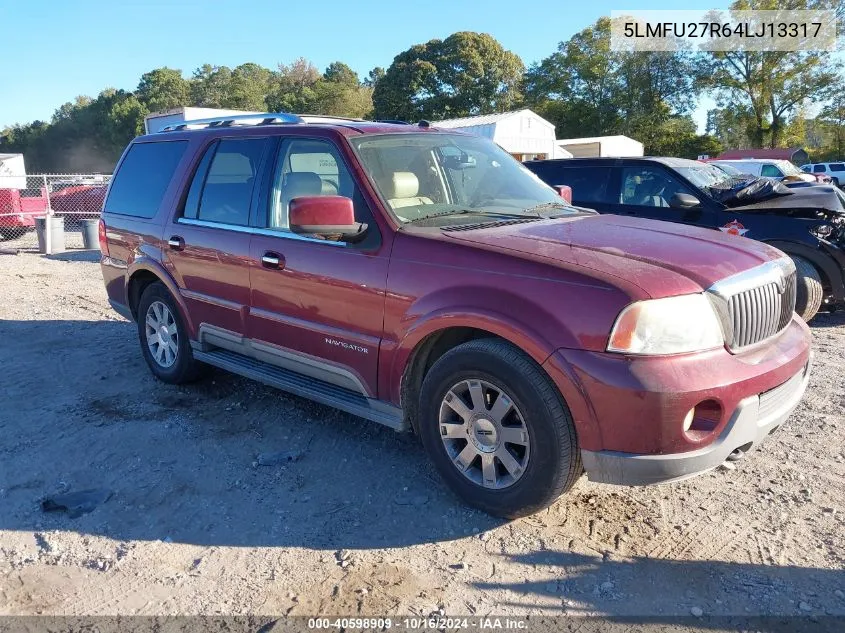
point(426, 280)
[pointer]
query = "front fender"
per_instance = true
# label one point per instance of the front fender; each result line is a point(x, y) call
point(519, 333)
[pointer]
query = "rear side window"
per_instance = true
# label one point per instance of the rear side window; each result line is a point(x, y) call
point(589, 184)
point(837, 167)
point(222, 188)
point(770, 171)
point(819, 168)
point(139, 185)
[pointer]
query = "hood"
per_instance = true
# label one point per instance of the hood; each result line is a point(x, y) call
point(801, 200)
point(661, 258)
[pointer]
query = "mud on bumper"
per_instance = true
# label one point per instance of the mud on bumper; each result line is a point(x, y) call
point(754, 419)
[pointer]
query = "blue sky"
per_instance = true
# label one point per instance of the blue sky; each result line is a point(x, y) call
point(54, 51)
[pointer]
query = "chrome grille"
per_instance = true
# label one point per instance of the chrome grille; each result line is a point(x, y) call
point(757, 304)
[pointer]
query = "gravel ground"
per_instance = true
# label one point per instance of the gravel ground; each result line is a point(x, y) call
point(359, 523)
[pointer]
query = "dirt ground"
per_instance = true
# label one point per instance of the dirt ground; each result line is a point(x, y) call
point(360, 524)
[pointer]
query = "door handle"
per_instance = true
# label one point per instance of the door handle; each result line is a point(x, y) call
point(272, 260)
point(176, 242)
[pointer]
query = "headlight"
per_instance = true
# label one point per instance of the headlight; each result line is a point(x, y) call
point(673, 325)
point(823, 231)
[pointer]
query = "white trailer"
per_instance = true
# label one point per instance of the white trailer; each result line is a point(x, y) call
point(12, 171)
point(154, 121)
point(597, 146)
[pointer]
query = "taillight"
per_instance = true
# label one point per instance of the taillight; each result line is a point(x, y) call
point(104, 242)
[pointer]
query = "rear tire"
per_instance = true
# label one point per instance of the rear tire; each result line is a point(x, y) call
point(544, 457)
point(164, 339)
point(810, 293)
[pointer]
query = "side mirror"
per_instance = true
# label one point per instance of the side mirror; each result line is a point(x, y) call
point(684, 201)
point(565, 192)
point(324, 215)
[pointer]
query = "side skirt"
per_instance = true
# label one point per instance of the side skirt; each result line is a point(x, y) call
point(305, 386)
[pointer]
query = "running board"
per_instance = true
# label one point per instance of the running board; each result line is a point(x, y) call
point(305, 386)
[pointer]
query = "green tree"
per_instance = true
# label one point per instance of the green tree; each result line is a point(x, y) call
point(340, 73)
point(832, 117)
point(770, 84)
point(294, 87)
point(465, 74)
point(732, 126)
point(248, 87)
point(374, 76)
point(587, 89)
point(163, 89)
point(209, 86)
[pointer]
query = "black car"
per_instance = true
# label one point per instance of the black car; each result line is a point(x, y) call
point(807, 223)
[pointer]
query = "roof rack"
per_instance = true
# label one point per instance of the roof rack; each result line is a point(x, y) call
point(266, 118)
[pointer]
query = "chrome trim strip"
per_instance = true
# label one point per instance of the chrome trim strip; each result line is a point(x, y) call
point(254, 230)
point(279, 356)
point(238, 228)
point(216, 301)
point(308, 325)
point(774, 271)
point(306, 365)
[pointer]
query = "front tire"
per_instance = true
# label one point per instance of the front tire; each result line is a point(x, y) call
point(497, 429)
point(164, 339)
point(810, 293)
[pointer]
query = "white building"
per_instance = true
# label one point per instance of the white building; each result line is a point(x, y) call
point(595, 146)
point(523, 134)
point(154, 121)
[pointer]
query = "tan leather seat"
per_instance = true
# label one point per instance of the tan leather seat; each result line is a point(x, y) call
point(403, 190)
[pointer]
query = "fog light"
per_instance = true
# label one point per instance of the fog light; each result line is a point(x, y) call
point(703, 421)
point(688, 420)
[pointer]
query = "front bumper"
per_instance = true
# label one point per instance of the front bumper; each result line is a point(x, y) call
point(754, 419)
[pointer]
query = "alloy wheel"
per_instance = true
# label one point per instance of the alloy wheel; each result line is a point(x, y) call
point(484, 434)
point(162, 334)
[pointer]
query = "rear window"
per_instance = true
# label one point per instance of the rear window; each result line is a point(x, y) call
point(589, 184)
point(139, 185)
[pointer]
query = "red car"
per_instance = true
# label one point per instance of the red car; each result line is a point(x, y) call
point(78, 202)
point(18, 212)
point(426, 280)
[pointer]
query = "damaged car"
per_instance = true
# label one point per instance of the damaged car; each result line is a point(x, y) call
point(806, 223)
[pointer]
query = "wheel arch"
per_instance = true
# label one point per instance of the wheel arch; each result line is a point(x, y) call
point(144, 272)
point(422, 347)
point(831, 274)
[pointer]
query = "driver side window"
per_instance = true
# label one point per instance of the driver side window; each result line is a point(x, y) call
point(314, 167)
point(648, 187)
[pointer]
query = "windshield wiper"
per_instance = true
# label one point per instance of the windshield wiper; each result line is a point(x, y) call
point(550, 205)
point(466, 212)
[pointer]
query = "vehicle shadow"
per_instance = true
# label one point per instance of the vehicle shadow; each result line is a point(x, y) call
point(76, 255)
point(82, 411)
point(642, 590)
point(828, 319)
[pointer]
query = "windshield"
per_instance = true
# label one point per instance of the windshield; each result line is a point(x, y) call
point(704, 175)
point(425, 175)
point(788, 168)
point(730, 170)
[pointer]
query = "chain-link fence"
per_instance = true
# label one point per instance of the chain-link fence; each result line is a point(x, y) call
point(67, 202)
